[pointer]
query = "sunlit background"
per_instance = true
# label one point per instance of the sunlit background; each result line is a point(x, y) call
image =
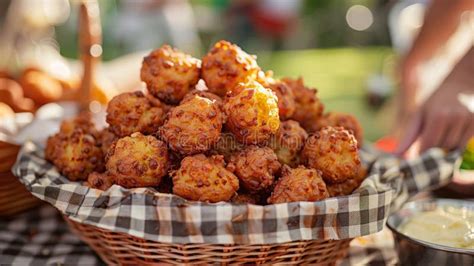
point(347, 49)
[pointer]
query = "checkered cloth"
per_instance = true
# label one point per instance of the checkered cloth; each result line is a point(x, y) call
point(148, 214)
point(40, 237)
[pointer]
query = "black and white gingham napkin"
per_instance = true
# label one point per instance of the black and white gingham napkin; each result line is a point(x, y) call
point(147, 214)
point(40, 237)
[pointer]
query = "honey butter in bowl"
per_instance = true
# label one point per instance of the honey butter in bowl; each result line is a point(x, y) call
point(434, 232)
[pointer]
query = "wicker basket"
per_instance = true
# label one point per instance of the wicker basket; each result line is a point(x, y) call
point(123, 249)
point(14, 197)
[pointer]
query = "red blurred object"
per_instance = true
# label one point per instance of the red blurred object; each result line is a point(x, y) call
point(267, 24)
point(387, 144)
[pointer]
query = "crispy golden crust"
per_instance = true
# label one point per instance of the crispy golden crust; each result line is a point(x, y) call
point(75, 154)
point(286, 99)
point(299, 184)
point(333, 151)
point(225, 66)
point(194, 126)
point(252, 113)
point(347, 121)
point(133, 112)
point(309, 108)
point(105, 139)
point(82, 122)
point(288, 141)
point(204, 94)
point(169, 73)
point(255, 167)
point(204, 179)
point(226, 146)
point(347, 187)
point(100, 181)
point(137, 161)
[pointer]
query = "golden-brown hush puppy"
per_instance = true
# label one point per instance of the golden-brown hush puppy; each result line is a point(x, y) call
point(133, 112)
point(170, 74)
point(255, 167)
point(225, 66)
point(347, 121)
point(252, 113)
point(299, 184)
point(226, 145)
point(204, 178)
point(194, 126)
point(106, 138)
point(288, 142)
point(308, 109)
point(347, 187)
point(286, 99)
point(333, 151)
point(82, 122)
point(204, 94)
point(75, 154)
point(137, 161)
point(102, 181)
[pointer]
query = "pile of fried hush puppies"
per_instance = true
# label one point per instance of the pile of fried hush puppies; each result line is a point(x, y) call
point(243, 137)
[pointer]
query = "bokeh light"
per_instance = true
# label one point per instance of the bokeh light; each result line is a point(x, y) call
point(359, 17)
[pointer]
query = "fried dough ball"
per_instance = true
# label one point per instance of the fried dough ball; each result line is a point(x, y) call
point(193, 126)
point(309, 108)
point(225, 66)
point(255, 166)
point(75, 154)
point(137, 161)
point(133, 112)
point(265, 78)
point(252, 113)
point(226, 145)
point(286, 99)
point(347, 187)
point(82, 122)
point(299, 184)
point(333, 151)
point(204, 178)
point(204, 94)
point(169, 73)
point(100, 181)
point(347, 121)
point(288, 141)
point(106, 138)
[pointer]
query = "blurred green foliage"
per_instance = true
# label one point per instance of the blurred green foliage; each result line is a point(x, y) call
point(340, 75)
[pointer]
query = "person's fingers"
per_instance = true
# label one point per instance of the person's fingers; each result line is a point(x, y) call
point(434, 129)
point(410, 134)
point(456, 131)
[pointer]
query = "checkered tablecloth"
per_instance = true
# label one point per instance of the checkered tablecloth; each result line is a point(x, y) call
point(41, 237)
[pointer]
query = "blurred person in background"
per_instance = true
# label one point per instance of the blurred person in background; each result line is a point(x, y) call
point(444, 116)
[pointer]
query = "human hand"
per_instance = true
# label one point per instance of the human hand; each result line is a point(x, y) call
point(446, 119)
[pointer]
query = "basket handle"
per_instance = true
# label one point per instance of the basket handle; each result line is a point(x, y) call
point(90, 48)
